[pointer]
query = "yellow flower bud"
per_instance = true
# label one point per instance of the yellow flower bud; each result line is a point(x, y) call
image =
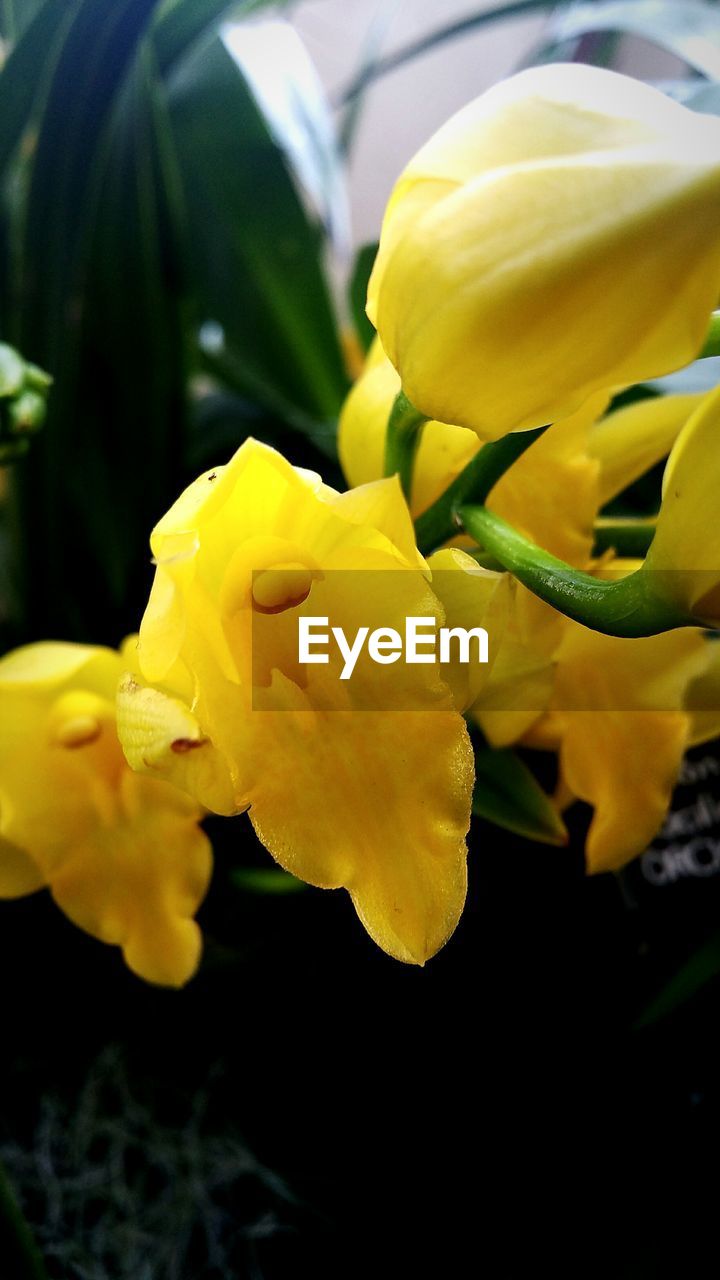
point(557, 237)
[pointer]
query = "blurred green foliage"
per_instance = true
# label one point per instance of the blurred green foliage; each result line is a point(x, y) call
point(157, 249)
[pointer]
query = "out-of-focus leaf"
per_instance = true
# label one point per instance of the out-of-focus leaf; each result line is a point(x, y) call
point(16, 16)
point(380, 23)
point(508, 794)
point(434, 39)
point(282, 78)
point(26, 72)
point(266, 880)
point(181, 23)
point(255, 256)
point(690, 30)
point(702, 967)
point(78, 541)
point(358, 293)
point(703, 97)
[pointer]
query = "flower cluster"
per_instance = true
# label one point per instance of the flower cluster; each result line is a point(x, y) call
point(556, 242)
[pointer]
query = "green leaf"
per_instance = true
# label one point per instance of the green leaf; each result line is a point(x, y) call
point(508, 794)
point(255, 256)
point(15, 16)
point(690, 30)
point(358, 293)
point(115, 245)
point(27, 71)
point(181, 24)
point(702, 967)
point(289, 95)
point(73, 275)
point(266, 880)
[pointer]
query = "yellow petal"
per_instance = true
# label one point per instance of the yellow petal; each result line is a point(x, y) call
point(160, 735)
point(702, 700)
point(471, 597)
point(618, 712)
point(630, 441)
point(363, 420)
point(381, 505)
point(51, 663)
point(378, 803)
point(683, 563)
point(19, 875)
point(551, 491)
point(528, 251)
point(625, 764)
point(138, 883)
point(122, 855)
point(442, 453)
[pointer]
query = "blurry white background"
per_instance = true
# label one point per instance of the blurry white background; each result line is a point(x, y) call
point(404, 107)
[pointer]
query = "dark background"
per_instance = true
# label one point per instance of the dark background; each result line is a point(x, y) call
point(493, 1113)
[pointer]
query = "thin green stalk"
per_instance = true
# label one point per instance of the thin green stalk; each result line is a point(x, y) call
point(404, 430)
point(473, 484)
point(625, 536)
point(20, 1255)
point(619, 607)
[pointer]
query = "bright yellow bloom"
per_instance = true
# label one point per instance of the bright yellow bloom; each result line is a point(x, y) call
point(529, 249)
point(364, 783)
point(619, 718)
point(683, 562)
point(122, 855)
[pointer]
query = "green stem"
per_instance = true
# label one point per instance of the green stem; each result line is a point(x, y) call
point(619, 607)
point(712, 338)
point(18, 1250)
point(404, 431)
point(626, 536)
point(473, 484)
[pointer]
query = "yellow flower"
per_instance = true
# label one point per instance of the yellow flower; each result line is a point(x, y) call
point(364, 783)
point(122, 855)
point(619, 717)
point(683, 563)
point(529, 249)
point(617, 711)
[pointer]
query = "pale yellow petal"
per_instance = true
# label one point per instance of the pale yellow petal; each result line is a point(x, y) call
point(549, 209)
point(471, 597)
point(160, 735)
point(630, 441)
